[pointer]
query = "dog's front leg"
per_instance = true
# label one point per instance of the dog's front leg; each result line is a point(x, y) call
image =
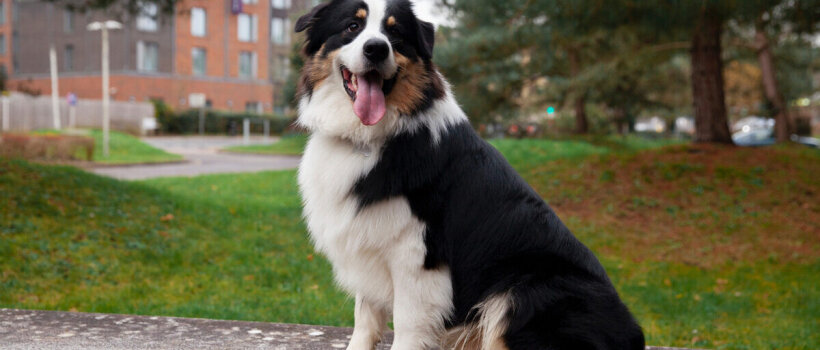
point(421, 303)
point(370, 324)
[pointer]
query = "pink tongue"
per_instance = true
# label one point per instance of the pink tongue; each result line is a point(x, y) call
point(369, 104)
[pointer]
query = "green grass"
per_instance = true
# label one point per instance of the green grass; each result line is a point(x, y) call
point(522, 152)
point(125, 149)
point(526, 154)
point(222, 246)
point(290, 145)
point(709, 248)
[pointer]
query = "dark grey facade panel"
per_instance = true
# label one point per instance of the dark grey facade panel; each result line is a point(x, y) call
point(40, 25)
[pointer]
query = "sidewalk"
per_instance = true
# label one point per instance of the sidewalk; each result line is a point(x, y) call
point(202, 156)
point(32, 329)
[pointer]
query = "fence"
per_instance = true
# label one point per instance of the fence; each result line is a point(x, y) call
point(27, 113)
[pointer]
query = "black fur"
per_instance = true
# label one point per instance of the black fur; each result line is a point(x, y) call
point(496, 234)
point(327, 25)
point(410, 36)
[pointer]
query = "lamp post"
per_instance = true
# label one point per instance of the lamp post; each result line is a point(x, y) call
point(104, 26)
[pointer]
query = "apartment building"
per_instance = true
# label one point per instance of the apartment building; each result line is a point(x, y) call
point(235, 52)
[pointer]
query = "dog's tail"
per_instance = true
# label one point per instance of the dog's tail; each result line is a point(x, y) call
point(486, 332)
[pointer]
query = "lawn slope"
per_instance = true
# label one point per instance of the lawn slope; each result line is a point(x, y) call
point(235, 250)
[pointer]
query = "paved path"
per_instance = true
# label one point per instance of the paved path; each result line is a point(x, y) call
point(47, 330)
point(202, 156)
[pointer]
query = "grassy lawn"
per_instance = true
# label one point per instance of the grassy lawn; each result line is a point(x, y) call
point(125, 149)
point(710, 247)
point(289, 145)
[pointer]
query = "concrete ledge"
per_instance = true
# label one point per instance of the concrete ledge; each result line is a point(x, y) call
point(30, 329)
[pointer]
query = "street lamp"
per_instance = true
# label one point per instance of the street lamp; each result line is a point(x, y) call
point(105, 26)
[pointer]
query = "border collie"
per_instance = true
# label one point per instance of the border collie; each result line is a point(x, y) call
point(422, 219)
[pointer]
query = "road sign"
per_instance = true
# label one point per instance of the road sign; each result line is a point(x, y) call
point(72, 99)
point(196, 100)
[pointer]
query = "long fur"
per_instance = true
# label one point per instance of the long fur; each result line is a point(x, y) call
point(424, 220)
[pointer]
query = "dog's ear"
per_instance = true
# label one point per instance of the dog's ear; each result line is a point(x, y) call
point(307, 20)
point(427, 38)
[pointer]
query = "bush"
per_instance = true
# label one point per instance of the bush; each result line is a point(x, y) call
point(216, 122)
point(47, 147)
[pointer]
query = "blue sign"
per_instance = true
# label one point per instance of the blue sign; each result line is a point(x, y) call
point(236, 6)
point(72, 99)
point(551, 110)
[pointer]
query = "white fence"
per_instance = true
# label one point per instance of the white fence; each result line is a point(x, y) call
point(27, 113)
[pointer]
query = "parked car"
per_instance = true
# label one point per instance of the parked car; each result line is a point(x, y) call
point(752, 123)
point(765, 137)
point(754, 137)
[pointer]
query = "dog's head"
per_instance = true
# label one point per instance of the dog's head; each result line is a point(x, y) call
point(371, 57)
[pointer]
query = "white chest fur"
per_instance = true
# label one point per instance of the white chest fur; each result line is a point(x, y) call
point(361, 245)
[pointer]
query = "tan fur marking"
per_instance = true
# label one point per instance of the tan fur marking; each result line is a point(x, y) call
point(488, 330)
point(410, 84)
point(391, 21)
point(317, 70)
point(362, 13)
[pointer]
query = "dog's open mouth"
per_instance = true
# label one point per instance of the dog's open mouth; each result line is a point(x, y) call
point(367, 92)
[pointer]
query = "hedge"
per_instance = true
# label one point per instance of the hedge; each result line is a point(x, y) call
point(217, 122)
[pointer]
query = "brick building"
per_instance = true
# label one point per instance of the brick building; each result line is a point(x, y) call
point(233, 51)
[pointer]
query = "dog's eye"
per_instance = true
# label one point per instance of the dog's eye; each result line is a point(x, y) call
point(353, 27)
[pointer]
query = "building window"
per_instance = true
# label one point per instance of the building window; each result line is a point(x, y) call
point(279, 109)
point(68, 58)
point(246, 27)
point(280, 4)
point(2, 44)
point(253, 107)
point(247, 65)
point(148, 18)
point(279, 30)
point(147, 56)
point(68, 21)
point(281, 68)
point(2, 12)
point(199, 60)
point(198, 22)
point(15, 43)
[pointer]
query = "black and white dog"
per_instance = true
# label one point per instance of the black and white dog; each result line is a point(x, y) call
point(419, 216)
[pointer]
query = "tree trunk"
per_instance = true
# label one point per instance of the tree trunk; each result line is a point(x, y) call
point(579, 104)
point(711, 123)
point(619, 116)
point(581, 123)
point(783, 122)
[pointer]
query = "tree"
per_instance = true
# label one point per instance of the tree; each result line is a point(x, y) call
point(553, 29)
point(711, 119)
point(500, 48)
point(774, 21)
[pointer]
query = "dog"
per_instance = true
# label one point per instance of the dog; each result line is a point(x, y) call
point(421, 218)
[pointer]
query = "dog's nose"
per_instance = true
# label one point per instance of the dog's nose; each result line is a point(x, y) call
point(376, 50)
